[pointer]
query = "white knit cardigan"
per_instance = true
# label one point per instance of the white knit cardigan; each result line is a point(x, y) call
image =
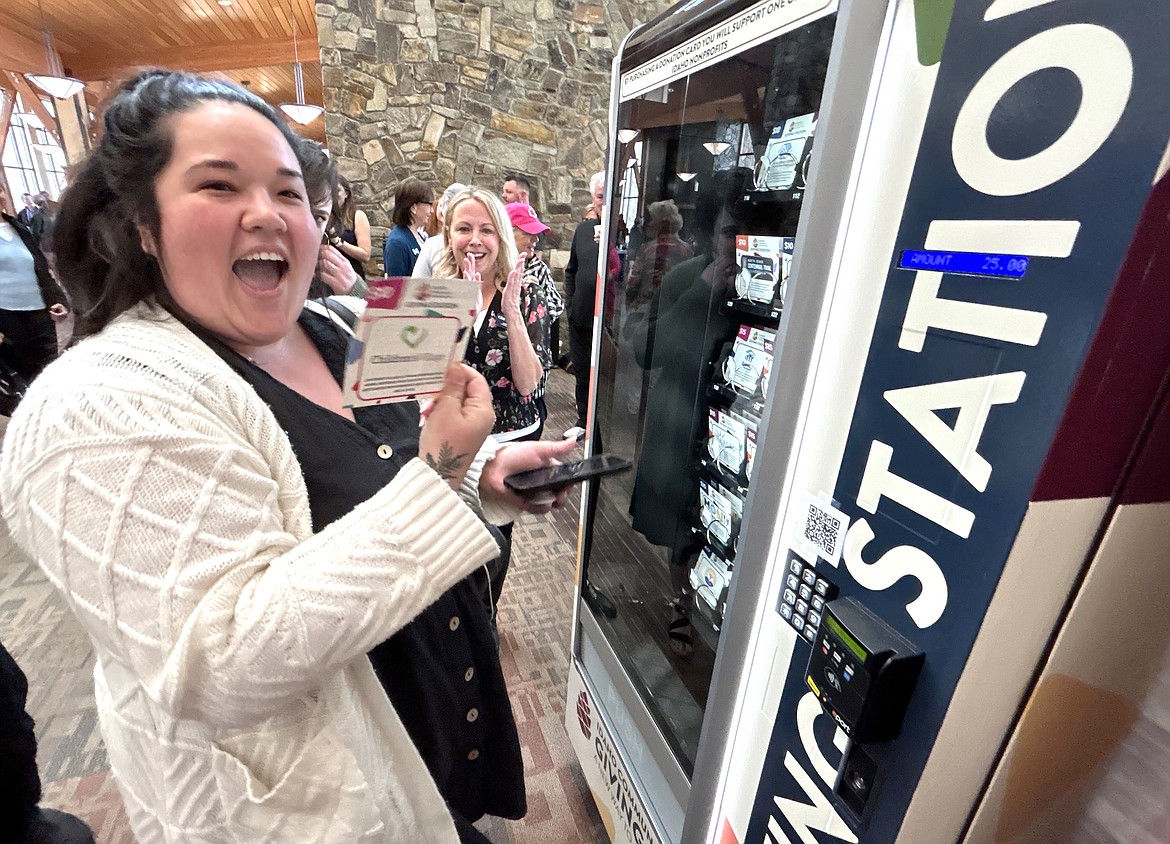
point(161, 497)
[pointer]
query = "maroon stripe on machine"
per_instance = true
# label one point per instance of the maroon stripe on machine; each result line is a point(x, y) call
point(1149, 479)
point(1120, 380)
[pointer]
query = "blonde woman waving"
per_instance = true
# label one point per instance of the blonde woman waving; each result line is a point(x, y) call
point(511, 332)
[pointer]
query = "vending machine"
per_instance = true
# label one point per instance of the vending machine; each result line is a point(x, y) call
point(868, 329)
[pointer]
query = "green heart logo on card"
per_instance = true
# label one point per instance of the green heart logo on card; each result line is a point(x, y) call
point(413, 336)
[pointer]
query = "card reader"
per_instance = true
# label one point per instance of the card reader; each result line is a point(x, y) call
point(863, 671)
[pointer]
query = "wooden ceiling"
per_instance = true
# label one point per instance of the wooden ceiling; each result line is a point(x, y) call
point(249, 41)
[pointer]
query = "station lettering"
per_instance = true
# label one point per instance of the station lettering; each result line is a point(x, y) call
point(1101, 80)
point(1103, 67)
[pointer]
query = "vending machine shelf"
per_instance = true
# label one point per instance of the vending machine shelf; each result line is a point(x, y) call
point(767, 315)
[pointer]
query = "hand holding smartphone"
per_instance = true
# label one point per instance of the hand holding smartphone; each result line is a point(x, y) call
point(550, 479)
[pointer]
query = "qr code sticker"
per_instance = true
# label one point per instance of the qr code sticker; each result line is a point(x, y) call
point(822, 530)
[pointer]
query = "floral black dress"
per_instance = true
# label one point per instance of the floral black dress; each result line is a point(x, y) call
point(487, 352)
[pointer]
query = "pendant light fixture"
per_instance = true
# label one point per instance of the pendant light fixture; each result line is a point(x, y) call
point(54, 82)
point(300, 111)
point(717, 147)
point(627, 135)
point(683, 152)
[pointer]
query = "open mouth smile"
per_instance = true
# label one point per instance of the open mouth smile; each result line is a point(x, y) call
point(261, 271)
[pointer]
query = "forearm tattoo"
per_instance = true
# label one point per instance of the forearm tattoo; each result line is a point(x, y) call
point(447, 463)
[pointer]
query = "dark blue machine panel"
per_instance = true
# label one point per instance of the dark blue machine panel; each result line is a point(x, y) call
point(1089, 162)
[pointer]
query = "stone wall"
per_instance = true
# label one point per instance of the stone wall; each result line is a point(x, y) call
point(446, 91)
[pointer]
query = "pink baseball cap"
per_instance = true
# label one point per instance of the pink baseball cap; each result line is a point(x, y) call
point(524, 218)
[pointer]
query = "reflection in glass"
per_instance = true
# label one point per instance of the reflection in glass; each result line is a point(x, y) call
point(682, 365)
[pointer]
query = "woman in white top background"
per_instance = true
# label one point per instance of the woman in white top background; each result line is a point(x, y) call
point(424, 267)
point(30, 299)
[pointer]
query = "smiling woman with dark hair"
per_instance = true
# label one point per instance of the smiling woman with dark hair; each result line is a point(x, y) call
point(234, 539)
point(412, 207)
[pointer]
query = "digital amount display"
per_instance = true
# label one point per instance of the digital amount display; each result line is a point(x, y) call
point(847, 640)
point(965, 263)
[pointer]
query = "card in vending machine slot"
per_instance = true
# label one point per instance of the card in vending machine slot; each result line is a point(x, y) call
point(760, 267)
point(750, 423)
point(764, 262)
point(726, 440)
point(765, 374)
point(714, 512)
point(784, 155)
point(787, 248)
point(709, 577)
point(720, 513)
point(750, 353)
point(759, 338)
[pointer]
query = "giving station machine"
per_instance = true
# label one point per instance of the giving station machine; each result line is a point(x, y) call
point(884, 349)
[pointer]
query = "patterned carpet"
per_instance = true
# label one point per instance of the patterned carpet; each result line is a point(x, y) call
point(535, 617)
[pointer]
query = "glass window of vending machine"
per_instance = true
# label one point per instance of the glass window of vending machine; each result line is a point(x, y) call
point(709, 172)
point(708, 186)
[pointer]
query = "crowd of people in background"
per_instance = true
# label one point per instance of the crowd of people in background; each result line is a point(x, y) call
point(417, 245)
point(37, 214)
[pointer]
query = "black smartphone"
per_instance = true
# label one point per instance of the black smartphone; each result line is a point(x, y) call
point(553, 478)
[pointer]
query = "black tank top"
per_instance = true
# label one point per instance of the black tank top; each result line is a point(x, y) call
point(350, 237)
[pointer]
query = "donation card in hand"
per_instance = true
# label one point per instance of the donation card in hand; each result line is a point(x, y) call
point(411, 329)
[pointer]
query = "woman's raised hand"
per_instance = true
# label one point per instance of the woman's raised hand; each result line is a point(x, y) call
point(457, 423)
point(470, 272)
point(336, 270)
point(511, 301)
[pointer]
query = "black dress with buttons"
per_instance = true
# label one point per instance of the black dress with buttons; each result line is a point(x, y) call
point(442, 671)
